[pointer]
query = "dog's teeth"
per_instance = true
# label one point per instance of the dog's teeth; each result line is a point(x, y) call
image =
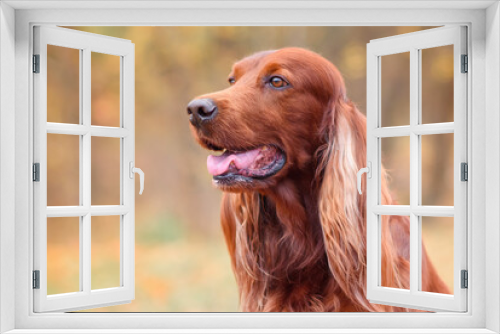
point(265, 148)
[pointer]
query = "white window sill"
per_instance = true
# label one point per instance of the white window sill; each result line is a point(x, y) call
point(250, 331)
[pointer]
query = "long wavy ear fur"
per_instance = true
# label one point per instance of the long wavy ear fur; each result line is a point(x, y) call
point(342, 210)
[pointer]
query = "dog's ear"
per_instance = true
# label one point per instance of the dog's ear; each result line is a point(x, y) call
point(342, 211)
point(341, 208)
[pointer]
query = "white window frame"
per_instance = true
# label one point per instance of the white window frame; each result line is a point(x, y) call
point(16, 21)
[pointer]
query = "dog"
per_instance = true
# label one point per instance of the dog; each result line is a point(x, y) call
point(290, 144)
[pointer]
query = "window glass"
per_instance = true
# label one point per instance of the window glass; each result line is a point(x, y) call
point(395, 89)
point(105, 90)
point(105, 252)
point(63, 255)
point(63, 85)
point(437, 236)
point(437, 84)
point(396, 161)
point(63, 170)
point(105, 171)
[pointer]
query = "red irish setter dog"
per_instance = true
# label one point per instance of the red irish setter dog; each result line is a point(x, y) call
point(291, 143)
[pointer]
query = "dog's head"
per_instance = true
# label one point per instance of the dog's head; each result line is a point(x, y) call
point(286, 115)
point(267, 123)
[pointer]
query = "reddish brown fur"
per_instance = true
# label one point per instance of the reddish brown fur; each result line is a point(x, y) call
point(297, 240)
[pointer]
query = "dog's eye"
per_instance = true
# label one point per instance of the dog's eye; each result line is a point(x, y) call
point(278, 82)
point(231, 80)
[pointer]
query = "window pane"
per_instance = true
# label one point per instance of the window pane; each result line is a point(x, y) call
point(437, 84)
point(105, 171)
point(437, 169)
point(437, 238)
point(63, 170)
point(396, 161)
point(395, 89)
point(63, 85)
point(395, 234)
point(105, 89)
point(105, 252)
point(63, 255)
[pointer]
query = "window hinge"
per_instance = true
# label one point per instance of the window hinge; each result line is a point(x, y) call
point(464, 279)
point(464, 168)
point(36, 63)
point(36, 172)
point(36, 279)
point(465, 64)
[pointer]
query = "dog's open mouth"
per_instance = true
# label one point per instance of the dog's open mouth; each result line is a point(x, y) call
point(245, 165)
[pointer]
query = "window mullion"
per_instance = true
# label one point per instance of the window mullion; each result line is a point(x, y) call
point(419, 166)
point(414, 170)
point(85, 161)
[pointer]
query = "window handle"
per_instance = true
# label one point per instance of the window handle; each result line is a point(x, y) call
point(139, 171)
point(368, 171)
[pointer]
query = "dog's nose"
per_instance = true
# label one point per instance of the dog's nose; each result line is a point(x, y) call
point(201, 110)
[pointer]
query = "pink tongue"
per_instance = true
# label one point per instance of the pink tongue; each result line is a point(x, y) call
point(218, 165)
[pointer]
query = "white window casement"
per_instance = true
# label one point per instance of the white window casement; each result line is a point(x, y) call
point(478, 306)
point(85, 43)
point(415, 44)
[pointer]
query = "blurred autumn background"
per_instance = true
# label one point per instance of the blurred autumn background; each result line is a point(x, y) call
point(181, 260)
